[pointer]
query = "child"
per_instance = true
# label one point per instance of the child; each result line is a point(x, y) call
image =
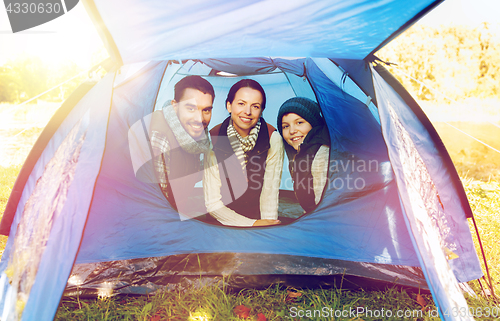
point(307, 145)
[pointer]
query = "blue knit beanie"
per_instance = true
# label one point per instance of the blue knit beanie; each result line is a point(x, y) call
point(304, 107)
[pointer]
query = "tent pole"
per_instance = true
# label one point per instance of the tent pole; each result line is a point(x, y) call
point(490, 284)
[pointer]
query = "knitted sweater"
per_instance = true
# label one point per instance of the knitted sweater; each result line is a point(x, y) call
point(268, 197)
point(319, 170)
point(176, 157)
point(309, 167)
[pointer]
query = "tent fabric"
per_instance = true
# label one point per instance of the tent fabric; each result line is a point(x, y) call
point(450, 173)
point(147, 226)
point(136, 31)
point(359, 71)
point(449, 213)
point(340, 77)
point(130, 219)
point(438, 216)
point(144, 236)
point(49, 223)
point(447, 210)
point(238, 271)
point(436, 219)
point(346, 113)
point(36, 151)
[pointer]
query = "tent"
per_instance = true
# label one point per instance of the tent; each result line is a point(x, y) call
point(81, 220)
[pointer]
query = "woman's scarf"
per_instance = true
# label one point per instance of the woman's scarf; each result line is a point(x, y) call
point(242, 145)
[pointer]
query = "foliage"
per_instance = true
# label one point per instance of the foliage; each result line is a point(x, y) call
point(457, 61)
point(61, 73)
point(9, 84)
point(28, 76)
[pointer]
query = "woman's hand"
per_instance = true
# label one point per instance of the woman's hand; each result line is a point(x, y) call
point(266, 222)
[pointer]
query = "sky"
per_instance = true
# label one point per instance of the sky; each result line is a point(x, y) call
point(466, 12)
point(73, 36)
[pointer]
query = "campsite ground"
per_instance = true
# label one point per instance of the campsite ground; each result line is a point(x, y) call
point(477, 165)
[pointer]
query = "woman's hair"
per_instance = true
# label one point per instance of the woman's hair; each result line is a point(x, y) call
point(246, 83)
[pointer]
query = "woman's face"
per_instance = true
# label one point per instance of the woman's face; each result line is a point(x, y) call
point(245, 110)
point(294, 129)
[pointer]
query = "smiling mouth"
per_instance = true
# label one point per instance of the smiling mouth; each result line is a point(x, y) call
point(296, 139)
point(245, 119)
point(197, 127)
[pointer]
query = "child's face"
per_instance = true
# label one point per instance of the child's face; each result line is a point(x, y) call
point(295, 129)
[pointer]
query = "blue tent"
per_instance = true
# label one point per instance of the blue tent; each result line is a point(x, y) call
point(79, 219)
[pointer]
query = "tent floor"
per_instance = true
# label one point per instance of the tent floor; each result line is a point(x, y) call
point(238, 270)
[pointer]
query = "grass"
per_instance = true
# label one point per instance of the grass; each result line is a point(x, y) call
point(484, 199)
point(471, 158)
point(478, 168)
point(7, 178)
point(20, 126)
point(275, 303)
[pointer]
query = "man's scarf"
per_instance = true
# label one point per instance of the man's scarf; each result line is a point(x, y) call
point(188, 143)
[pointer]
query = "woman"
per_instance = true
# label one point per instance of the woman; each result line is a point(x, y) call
point(243, 172)
point(307, 145)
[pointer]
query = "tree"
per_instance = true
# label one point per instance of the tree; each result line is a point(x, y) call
point(28, 76)
point(9, 85)
point(457, 61)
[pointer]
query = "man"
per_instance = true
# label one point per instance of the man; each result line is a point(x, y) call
point(179, 139)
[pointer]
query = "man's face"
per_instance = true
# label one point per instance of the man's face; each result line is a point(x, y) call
point(194, 111)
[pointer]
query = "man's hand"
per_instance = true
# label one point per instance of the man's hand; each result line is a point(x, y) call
point(266, 222)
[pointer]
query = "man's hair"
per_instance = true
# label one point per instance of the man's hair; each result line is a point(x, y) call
point(194, 82)
point(250, 83)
